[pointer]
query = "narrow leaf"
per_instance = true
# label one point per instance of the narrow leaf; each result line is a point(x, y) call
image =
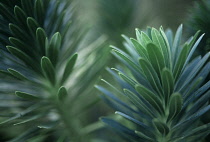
point(40, 39)
point(180, 62)
point(32, 25)
point(26, 111)
point(156, 57)
point(26, 96)
point(151, 75)
point(28, 120)
point(17, 74)
point(127, 79)
point(126, 59)
point(141, 125)
point(69, 67)
point(161, 127)
point(4, 10)
point(175, 105)
point(53, 48)
point(48, 69)
point(20, 15)
point(142, 135)
point(150, 97)
point(176, 43)
point(140, 49)
point(23, 56)
point(119, 127)
point(19, 44)
point(28, 6)
point(62, 93)
point(39, 11)
point(168, 47)
point(143, 106)
point(145, 39)
point(18, 32)
point(194, 47)
point(159, 42)
point(167, 83)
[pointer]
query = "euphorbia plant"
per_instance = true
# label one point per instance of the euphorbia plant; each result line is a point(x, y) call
point(161, 97)
point(43, 94)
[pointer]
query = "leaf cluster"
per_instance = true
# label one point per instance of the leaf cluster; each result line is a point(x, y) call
point(39, 50)
point(162, 96)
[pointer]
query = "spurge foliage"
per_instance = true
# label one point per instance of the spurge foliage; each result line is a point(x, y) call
point(162, 93)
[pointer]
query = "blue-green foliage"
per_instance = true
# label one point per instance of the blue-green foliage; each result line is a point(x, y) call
point(40, 90)
point(161, 97)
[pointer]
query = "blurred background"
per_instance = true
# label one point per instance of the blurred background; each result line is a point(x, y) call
point(116, 17)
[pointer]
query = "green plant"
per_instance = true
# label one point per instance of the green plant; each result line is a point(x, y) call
point(38, 56)
point(199, 19)
point(160, 96)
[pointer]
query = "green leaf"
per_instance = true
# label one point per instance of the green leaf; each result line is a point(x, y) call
point(183, 125)
point(17, 74)
point(66, 29)
point(19, 44)
point(149, 32)
point(4, 10)
point(156, 57)
point(26, 96)
point(151, 75)
point(180, 62)
point(195, 107)
point(116, 100)
point(167, 83)
point(138, 36)
point(59, 21)
point(196, 95)
point(140, 49)
point(23, 56)
point(20, 15)
point(127, 79)
point(39, 11)
point(62, 93)
point(126, 59)
point(40, 39)
point(192, 87)
point(195, 71)
point(193, 48)
point(150, 97)
point(160, 126)
point(69, 67)
point(28, 120)
point(145, 39)
point(32, 25)
point(168, 47)
point(176, 43)
point(142, 135)
point(194, 39)
point(24, 112)
point(148, 110)
point(141, 125)
point(159, 42)
point(18, 32)
point(48, 69)
point(175, 105)
point(119, 127)
point(198, 131)
point(53, 48)
point(5, 73)
point(27, 5)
